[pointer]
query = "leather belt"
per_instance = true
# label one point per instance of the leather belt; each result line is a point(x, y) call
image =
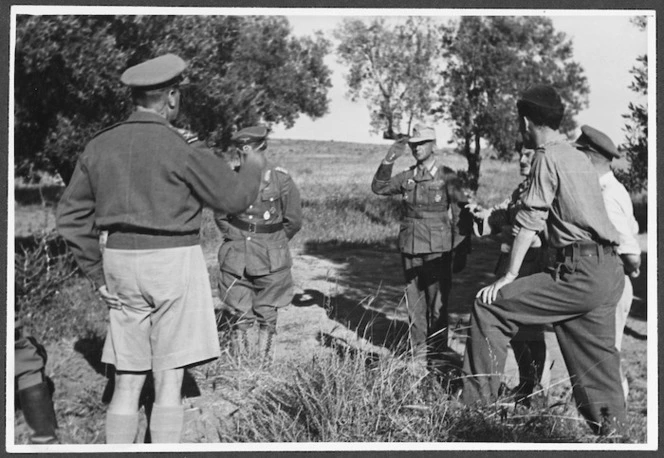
point(585, 249)
point(255, 228)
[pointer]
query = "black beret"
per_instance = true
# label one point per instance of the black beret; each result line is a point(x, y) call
point(597, 141)
point(162, 71)
point(253, 134)
point(544, 96)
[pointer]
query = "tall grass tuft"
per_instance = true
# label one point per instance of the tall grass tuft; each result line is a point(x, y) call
point(349, 396)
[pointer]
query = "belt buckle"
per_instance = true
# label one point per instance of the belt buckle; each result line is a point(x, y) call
point(252, 228)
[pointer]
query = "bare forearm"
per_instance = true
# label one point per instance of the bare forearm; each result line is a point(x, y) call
point(520, 246)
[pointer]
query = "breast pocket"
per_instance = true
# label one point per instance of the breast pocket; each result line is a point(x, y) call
point(436, 194)
point(408, 190)
point(270, 205)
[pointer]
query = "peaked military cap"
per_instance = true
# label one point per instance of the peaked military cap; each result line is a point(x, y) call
point(597, 141)
point(422, 133)
point(160, 72)
point(253, 134)
point(542, 95)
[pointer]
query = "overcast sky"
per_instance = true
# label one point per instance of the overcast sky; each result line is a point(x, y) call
point(605, 44)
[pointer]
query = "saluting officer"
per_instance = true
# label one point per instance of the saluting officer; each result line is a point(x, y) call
point(254, 260)
point(143, 183)
point(429, 232)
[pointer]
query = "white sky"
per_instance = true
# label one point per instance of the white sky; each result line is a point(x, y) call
point(606, 46)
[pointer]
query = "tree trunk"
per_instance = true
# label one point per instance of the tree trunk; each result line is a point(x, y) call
point(474, 161)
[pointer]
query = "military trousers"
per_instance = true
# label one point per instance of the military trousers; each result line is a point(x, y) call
point(429, 280)
point(578, 296)
point(29, 360)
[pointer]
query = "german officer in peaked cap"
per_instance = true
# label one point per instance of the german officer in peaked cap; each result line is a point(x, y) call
point(143, 183)
point(431, 195)
point(254, 260)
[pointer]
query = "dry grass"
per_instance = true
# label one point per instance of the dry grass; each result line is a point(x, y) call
point(340, 393)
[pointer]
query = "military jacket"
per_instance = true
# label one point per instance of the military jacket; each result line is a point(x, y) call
point(278, 202)
point(430, 206)
point(145, 184)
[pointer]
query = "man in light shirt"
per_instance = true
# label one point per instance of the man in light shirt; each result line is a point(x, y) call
point(601, 151)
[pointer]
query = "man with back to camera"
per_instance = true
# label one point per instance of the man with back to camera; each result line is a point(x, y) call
point(601, 151)
point(578, 295)
point(254, 260)
point(426, 239)
point(142, 181)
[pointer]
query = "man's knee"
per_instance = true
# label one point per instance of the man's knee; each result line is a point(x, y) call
point(129, 381)
point(168, 386)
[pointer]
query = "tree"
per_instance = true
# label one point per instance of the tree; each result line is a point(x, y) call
point(243, 70)
point(490, 61)
point(393, 67)
point(635, 178)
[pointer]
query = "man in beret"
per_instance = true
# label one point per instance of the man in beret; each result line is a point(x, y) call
point(578, 295)
point(144, 184)
point(431, 198)
point(601, 151)
point(254, 260)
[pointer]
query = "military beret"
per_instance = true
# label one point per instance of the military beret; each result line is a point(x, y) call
point(253, 134)
point(597, 141)
point(542, 95)
point(162, 71)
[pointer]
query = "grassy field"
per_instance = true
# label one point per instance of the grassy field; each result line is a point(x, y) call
point(325, 388)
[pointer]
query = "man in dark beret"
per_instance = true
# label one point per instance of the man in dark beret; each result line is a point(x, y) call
point(142, 183)
point(601, 151)
point(254, 260)
point(577, 295)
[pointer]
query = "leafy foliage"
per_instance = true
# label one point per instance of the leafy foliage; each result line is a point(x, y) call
point(393, 67)
point(636, 146)
point(243, 70)
point(490, 61)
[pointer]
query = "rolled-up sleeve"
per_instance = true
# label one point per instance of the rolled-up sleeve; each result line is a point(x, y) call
point(540, 194)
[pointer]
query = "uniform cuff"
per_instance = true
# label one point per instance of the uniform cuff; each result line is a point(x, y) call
point(97, 279)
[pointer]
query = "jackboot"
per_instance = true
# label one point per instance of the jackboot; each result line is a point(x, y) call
point(37, 407)
point(266, 346)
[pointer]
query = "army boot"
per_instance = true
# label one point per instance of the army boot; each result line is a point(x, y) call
point(239, 344)
point(266, 346)
point(37, 407)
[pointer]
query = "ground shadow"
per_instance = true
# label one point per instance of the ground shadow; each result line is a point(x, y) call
point(372, 285)
point(361, 317)
point(90, 347)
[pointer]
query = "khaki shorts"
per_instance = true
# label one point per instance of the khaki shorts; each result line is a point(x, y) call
point(169, 320)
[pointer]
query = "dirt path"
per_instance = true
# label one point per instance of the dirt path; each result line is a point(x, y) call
point(351, 296)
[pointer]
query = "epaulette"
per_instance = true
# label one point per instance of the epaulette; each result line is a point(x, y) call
point(282, 170)
point(446, 169)
point(187, 135)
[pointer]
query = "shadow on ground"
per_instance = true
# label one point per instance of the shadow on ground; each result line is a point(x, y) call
point(91, 347)
point(372, 285)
